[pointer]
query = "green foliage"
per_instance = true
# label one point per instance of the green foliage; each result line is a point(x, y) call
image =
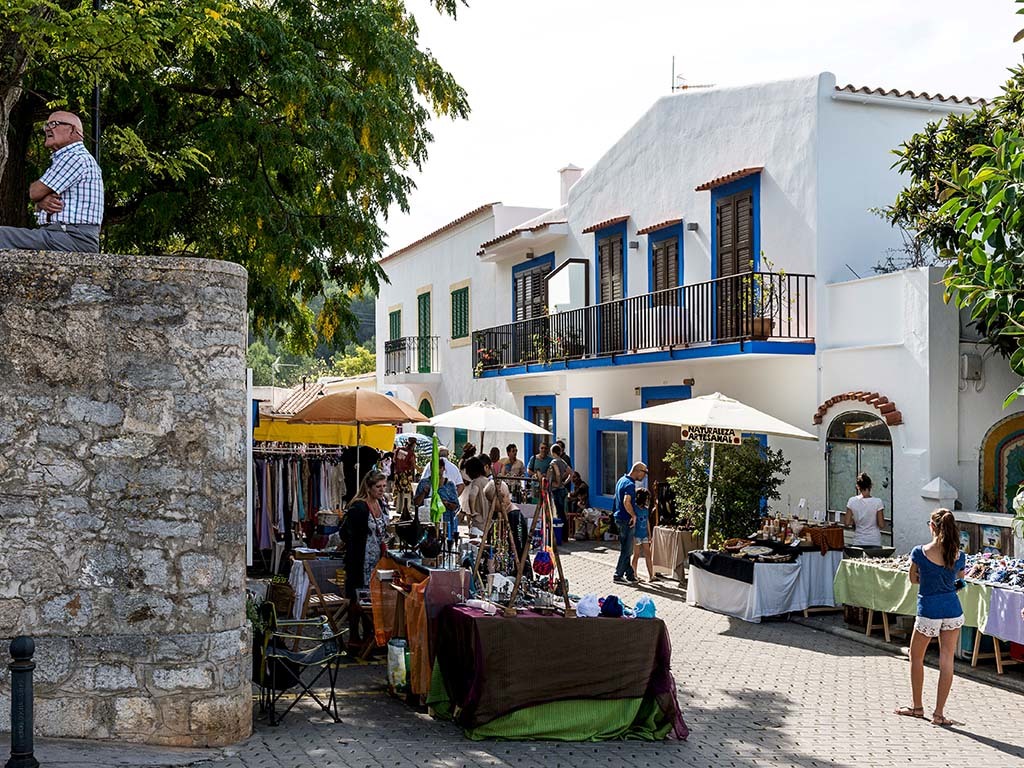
point(963, 202)
point(746, 476)
point(281, 147)
point(986, 272)
point(292, 367)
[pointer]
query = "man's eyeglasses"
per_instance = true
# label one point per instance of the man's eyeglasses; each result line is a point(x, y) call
point(54, 123)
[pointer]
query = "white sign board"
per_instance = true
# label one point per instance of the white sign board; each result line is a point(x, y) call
point(711, 435)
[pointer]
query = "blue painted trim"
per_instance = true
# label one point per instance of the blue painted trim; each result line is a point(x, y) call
point(531, 442)
point(676, 392)
point(547, 258)
point(689, 353)
point(597, 426)
point(580, 403)
point(657, 236)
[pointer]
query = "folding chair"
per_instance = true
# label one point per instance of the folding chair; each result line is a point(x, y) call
point(283, 669)
point(333, 607)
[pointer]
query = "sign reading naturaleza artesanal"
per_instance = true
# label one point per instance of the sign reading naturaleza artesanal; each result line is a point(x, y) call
point(711, 435)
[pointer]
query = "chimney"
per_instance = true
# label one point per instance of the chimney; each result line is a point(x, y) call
point(568, 176)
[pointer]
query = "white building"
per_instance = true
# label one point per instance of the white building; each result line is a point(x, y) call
point(725, 244)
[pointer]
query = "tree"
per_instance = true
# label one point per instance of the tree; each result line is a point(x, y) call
point(747, 477)
point(280, 148)
point(65, 41)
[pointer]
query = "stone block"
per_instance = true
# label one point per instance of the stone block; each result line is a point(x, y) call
point(134, 714)
point(71, 610)
point(11, 611)
point(114, 677)
point(104, 414)
point(200, 573)
point(225, 718)
point(69, 718)
point(183, 678)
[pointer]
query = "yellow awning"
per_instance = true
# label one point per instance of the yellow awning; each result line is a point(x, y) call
point(381, 437)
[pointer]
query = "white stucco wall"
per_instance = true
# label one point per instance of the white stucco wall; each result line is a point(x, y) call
point(441, 262)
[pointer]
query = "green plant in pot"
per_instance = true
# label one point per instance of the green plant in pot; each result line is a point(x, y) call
point(762, 299)
point(747, 479)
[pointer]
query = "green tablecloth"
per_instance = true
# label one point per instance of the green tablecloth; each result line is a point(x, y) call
point(859, 582)
point(568, 720)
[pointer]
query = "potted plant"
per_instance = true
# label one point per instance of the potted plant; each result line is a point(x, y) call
point(486, 357)
point(761, 300)
point(747, 480)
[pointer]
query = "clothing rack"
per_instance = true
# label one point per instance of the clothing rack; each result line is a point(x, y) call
point(312, 450)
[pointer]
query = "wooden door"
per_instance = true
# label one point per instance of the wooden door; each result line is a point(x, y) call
point(659, 439)
point(610, 289)
point(734, 255)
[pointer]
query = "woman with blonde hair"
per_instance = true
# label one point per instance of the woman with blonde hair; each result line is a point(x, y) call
point(937, 568)
point(364, 531)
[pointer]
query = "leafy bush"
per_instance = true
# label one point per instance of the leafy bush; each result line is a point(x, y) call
point(747, 479)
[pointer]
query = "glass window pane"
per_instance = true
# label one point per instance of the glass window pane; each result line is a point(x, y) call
point(842, 474)
point(613, 460)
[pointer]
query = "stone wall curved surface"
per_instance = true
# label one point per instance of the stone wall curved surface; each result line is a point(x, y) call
point(122, 494)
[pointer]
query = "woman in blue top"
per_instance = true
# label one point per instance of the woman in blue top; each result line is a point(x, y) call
point(937, 568)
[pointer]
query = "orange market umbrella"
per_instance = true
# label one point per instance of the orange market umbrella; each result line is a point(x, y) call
point(358, 407)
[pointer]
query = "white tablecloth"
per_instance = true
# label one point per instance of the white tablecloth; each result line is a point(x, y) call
point(778, 588)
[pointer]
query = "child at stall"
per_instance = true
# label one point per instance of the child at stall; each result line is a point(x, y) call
point(642, 532)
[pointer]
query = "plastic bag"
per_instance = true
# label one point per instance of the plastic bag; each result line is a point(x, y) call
point(398, 674)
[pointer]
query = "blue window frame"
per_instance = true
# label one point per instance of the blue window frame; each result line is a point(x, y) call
point(615, 230)
point(529, 281)
point(656, 241)
point(753, 185)
point(605, 466)
point(542, 410)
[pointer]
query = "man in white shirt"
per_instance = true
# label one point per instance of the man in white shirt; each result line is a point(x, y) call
point(68, 197)
point(450, 471)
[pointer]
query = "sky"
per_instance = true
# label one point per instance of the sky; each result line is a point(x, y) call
point(553, 82)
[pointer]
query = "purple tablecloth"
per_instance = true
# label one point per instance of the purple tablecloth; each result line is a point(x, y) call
point(1004, 619)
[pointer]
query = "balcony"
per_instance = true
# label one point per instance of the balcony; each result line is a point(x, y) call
point(756, 312)
point(411, 357)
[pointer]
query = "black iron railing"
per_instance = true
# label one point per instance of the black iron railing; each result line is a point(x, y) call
point(411, 354)
point(752, 306)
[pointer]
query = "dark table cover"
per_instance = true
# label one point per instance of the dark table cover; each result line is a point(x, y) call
point(738, 568)
point(493, 665)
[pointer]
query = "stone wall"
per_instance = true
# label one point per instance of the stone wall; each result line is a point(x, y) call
point(122, 494)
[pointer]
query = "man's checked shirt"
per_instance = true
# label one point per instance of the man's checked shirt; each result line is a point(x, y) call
point(75, 176)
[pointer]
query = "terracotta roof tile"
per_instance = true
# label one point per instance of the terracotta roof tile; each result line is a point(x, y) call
point(971, 100)
point(513, 232)
point(299, 399)
point(606, 223)
point(486, 207)
point(660, 225)
point(740, 174)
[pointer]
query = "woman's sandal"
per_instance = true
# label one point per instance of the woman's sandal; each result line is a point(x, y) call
point(917, 712)
point(943, 721)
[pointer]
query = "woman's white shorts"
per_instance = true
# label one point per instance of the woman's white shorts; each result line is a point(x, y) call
point(932, 627)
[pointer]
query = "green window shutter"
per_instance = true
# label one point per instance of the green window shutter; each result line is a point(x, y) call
point(460, 313)
point(395, 325)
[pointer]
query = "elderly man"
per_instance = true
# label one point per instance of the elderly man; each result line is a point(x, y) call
point(68, 198)
point(448, 469)
point(625, 519)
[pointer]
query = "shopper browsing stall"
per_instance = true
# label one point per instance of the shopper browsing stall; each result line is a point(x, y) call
point(642, 533)
point(364, 531)
point(937, 568)
point(449, 469)
point(625, 517)
point(865, 514)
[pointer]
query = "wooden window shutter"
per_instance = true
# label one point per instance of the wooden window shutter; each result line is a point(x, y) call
point(744, 232)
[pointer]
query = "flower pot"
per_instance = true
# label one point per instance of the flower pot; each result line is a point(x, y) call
point(760, 328)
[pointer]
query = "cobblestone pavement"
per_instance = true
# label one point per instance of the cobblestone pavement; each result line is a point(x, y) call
point(774, 694)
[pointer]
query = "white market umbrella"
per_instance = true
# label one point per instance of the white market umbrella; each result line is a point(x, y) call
point(484, 417)
point(716, 412)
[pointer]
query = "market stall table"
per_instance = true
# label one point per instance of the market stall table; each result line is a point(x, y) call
point(993, 610)
point(532, 677)
point(750, 590)
point(670, 548)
